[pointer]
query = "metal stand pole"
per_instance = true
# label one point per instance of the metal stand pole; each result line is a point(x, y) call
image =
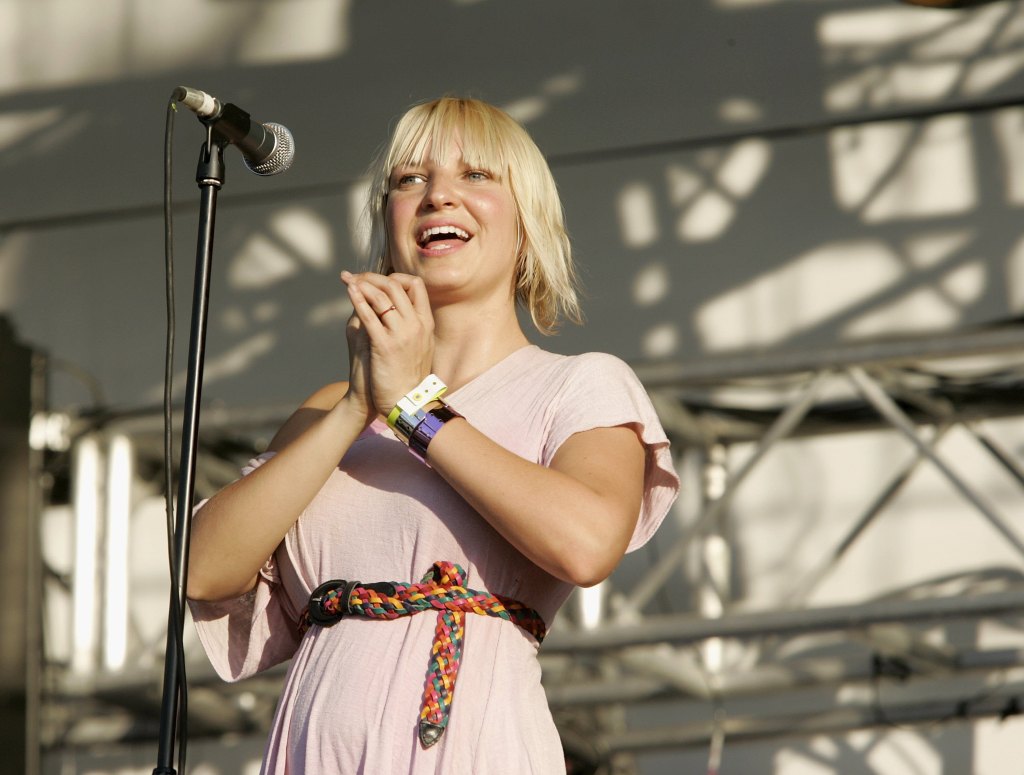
point(210, 177)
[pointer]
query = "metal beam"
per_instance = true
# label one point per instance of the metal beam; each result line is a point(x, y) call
point(762, 364)
point(683, 629)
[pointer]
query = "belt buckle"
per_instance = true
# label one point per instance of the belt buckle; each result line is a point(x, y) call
point(317, 614)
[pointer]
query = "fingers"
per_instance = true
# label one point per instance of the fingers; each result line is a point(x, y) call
point(395, 317)
point(403, 292)
point(358, 370)
point(417, 292)
point(391, 306)
point(364, 310)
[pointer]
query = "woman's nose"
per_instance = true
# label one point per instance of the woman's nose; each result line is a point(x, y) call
point(441, 192)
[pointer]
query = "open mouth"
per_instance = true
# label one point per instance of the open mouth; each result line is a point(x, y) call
point(442, 234)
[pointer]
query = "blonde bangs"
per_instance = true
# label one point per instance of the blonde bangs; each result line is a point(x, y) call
point(428, 131)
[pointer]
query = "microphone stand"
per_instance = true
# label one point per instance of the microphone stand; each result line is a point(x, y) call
point(210, 177)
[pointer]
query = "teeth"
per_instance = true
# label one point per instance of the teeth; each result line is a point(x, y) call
point(428, 233)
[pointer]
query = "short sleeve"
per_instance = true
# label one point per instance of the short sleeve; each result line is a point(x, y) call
point(602, 391)
point(244, 635)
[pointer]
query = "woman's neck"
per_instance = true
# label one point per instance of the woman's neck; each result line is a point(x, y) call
point(469, 341)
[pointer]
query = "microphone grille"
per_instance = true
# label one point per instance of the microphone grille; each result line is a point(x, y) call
point(283, 155)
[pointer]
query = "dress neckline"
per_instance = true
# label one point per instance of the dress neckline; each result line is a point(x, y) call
point(491, 369)
point(379, 424)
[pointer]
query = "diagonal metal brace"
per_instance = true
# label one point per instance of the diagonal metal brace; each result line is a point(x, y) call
point(806, 585)
point(873, 392)
point(783, 426)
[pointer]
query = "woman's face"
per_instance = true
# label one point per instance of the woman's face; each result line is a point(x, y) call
point(454, 226)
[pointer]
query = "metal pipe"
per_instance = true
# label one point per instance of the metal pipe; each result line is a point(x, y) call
point(713, 369)
point(813, 674)
point(996, 449)
point(996, 701)
point(805, 585)
point(888, 408)
point(687, 629)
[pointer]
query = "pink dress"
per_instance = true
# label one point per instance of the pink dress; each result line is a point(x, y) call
point(351, 698)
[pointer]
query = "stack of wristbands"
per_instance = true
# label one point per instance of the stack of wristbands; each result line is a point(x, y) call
point(420, 414)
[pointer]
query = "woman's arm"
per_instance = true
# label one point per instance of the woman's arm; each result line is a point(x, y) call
point(241, 526)
point(235, 532)
point(573, 519)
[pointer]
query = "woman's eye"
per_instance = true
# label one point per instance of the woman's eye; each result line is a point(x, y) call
point(478, 175)
point(409, 179)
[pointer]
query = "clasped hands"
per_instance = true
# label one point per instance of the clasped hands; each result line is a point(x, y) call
point(390, 339)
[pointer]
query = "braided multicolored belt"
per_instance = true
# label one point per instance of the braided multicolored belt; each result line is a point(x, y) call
point(441, 590)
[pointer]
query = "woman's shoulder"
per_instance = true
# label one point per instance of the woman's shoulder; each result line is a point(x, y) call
point(576, 376)
point(600, 360)
point(601, 363)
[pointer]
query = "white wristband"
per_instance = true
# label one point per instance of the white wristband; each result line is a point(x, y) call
point(430, 388)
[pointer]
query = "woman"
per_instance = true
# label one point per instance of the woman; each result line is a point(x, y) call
point(538, 474)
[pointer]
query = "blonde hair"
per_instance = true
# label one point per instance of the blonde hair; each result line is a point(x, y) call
point(545, 279)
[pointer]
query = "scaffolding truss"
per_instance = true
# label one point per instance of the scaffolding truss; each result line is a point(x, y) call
point(794, 669)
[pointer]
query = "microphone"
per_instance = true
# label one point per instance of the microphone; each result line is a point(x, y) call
point(267, 149)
